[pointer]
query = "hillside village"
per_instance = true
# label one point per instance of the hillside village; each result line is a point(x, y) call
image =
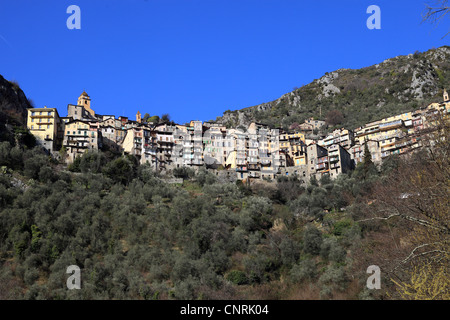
point(258, 152)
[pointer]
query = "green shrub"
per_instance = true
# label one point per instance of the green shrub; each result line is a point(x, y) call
point(237, 277)
point(304, 270)
point(312, 240)
point(341, 226)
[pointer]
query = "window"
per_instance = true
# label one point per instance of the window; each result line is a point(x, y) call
point(32, 119)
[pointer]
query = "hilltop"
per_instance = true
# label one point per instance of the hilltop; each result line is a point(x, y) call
point(396, 85)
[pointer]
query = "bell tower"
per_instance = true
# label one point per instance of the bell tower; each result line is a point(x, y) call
point(85, 101)
point(138, 117)
point(446, 99)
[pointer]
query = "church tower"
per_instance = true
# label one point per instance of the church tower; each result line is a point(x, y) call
point(138, 117)
point(446, 99)
point(85, 101)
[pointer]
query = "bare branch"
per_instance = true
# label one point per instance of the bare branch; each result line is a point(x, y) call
point(413, 256)
point(435, 14)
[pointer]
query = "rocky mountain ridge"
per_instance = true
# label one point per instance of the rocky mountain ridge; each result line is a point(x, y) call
point(396, 85)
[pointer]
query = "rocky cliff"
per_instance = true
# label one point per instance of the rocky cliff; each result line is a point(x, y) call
point(393, 86)
point(13, 103)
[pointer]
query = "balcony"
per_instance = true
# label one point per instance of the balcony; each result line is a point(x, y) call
point(335, 166)
point(38, 116)
point(80, 139)
point(254, 174)
point(321, 166)
point(197, 162)
point(150, 151)
point(391, 126)
point(334, 158)
point(322, 160)
point(42, 123)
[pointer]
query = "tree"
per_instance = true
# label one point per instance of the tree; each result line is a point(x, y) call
point(312, 240)
point(154, 119)
point(304, 270)
point(295, 126)
point(237, 277)
point(435, 14)
point(24, 137)
point(165, 118)
point(122, 169)
point(415, 196)
point(367, 160)
point(368, 168)
point(183, 172)
point(334, 117)
point(426, 283)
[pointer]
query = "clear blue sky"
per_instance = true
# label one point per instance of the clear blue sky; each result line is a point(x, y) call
point(195, 59)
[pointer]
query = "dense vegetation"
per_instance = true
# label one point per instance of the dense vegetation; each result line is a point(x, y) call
point(135, 236)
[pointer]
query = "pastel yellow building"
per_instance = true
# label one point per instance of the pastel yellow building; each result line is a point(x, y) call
point(44, 124)
point(380, 131)
point(404, 116)
point(293, 146)
point(80, 136)
point(299, 160)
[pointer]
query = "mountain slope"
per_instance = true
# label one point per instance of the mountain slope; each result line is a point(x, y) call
point(362, 95)
point(13, 109)
point(13, 102)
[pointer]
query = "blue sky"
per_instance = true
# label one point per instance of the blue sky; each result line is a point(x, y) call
point(195, 59)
